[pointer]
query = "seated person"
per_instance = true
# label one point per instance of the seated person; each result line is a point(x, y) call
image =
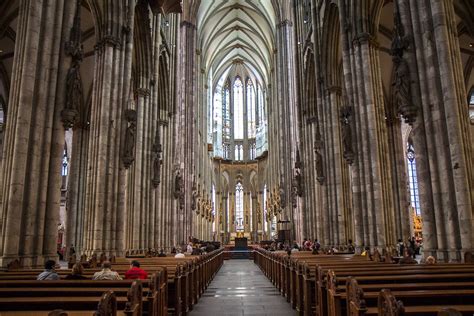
point(162, 253)
point(173, 251)
point(179, 255)
point(189, 248)
point(295, 248)
point(106, 273)
point(76, 273)
point(136, 272)
point(430, 260)
point(49, 273)
point(408, 258)
point(350, 246)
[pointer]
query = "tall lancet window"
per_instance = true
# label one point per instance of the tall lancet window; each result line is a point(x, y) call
point(413, 180)
point(226, 114)
point(238, 109)
point(251, 109)
point(65, 164)
point(239, 207)
point(471, 106)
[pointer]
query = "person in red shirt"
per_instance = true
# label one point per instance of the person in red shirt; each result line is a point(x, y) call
point(136, 272)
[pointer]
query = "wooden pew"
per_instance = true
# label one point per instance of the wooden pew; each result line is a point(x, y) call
point(172, 290)
point(387, 303)
point(303, 277)
point(70, 294)
point(418, 291)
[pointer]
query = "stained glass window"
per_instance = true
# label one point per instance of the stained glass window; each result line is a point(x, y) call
point(251, 109)
point(413, 180)
point(238, 109)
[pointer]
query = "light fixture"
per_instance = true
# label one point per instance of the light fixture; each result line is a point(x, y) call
point(471, 44)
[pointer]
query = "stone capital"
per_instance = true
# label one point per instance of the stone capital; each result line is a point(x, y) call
point(335, 89)
point(108, 40)
point(142, 92)
point(188, 25)
point(284, 23)
point(365, 38)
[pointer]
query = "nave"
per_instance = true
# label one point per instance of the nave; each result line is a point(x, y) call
point(240, 288)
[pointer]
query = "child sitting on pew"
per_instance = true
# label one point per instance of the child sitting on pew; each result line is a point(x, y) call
point(76, 273)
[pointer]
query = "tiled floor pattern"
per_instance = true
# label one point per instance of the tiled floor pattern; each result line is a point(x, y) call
point(240, 288)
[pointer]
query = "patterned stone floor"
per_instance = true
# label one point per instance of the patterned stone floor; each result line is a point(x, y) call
point(240, 288)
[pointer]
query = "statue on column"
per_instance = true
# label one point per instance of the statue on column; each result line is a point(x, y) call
point(130, 135)
point(296, 188)
point(194, 195)
point(156, 154)
point(282, 193)
point(346, 133)
point(179, 188)
point(74, 92)
point(402, 97)
point(319, 159)
point(259, 213)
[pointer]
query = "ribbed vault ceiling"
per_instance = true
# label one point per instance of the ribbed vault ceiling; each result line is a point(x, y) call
point(237, 30)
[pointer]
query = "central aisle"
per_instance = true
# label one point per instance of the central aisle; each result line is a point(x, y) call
point(240, 288)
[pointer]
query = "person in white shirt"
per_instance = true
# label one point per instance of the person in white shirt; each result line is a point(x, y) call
point(179, 255)
point(189, 248)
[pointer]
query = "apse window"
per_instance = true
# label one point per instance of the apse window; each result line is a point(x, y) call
point(238, 109)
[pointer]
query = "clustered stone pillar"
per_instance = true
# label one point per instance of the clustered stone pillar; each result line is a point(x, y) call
point(373, 203)
point(186, 152)
point(287, 124)
point(34, 136)
point(112, 136)
point(440, 132)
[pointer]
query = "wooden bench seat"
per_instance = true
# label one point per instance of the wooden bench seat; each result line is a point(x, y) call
point(388, 303)
point(304, 279)
point(180, 284)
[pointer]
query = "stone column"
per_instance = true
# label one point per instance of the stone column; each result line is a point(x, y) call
point(112, 145)
point(34, 135)
point(287, 114)
point(440, 133)
point(187, 137)
point(373, 201)
point(225, 217)
point(255, 219)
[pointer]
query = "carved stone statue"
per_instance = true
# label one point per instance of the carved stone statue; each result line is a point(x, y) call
point(281, 191)
point(259, 213)
point(70, 115)
point(319, 166)
point(130, 135)
point(74, 96)
point(178, 184)
point(402, 98)
point(346, 133)
point(156, 153)
point(194, 195)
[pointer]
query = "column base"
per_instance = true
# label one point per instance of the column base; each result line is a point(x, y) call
point(26, 261)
